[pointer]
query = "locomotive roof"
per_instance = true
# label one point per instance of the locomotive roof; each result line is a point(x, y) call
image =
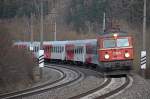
point(110, 34)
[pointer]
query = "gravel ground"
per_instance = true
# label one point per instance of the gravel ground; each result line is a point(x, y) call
point(49, 75)
point(140, 89)
point(70, 90)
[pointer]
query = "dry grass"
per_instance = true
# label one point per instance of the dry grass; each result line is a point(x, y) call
point(16, 65)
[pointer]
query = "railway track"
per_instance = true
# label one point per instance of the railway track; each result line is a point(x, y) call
point(68, 76)
point(111, 87)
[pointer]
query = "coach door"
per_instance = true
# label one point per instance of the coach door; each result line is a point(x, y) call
point(69, 52)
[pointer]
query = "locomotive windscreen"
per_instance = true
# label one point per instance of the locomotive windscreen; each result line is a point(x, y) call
point(123, 42)
point(109, 43)
point(120, 42)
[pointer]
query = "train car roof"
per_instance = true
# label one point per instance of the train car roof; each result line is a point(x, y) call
point(21, 43)
point(55, 42)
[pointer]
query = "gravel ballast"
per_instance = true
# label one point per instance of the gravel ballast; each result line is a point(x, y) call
point(140, 89)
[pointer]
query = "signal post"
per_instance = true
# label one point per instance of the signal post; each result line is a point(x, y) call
point(143, 52)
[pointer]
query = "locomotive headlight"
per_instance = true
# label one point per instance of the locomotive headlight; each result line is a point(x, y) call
point(127, 55)
point(106, 56)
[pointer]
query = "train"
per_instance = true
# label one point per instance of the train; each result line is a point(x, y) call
point(110, 53)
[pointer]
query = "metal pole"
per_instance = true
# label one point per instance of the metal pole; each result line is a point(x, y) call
point(31, 28)
point(41, 30)
point(144, 26)
point(104, 22)
point(55, 32)
point(41, 36)
point(144, 37)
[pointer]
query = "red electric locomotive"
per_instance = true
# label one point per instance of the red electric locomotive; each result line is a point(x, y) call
point(115, 52)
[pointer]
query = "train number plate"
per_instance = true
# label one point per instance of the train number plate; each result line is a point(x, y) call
point(116, 53)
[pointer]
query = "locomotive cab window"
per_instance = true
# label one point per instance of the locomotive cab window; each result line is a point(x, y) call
point(122, 42)
point(109, 43)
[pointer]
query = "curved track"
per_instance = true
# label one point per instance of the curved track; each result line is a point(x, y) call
point(110, 88)
point(68, 76)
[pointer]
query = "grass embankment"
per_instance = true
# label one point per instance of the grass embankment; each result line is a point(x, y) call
point(16, 65)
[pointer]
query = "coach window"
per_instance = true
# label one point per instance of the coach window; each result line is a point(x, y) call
point(35, 48)
point(74, 51)
point(50, 49)
point(59, 49)
point(54, 49)
point(79, 50)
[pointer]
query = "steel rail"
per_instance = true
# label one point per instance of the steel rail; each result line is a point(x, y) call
point(116, 90)
point(93, 90)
